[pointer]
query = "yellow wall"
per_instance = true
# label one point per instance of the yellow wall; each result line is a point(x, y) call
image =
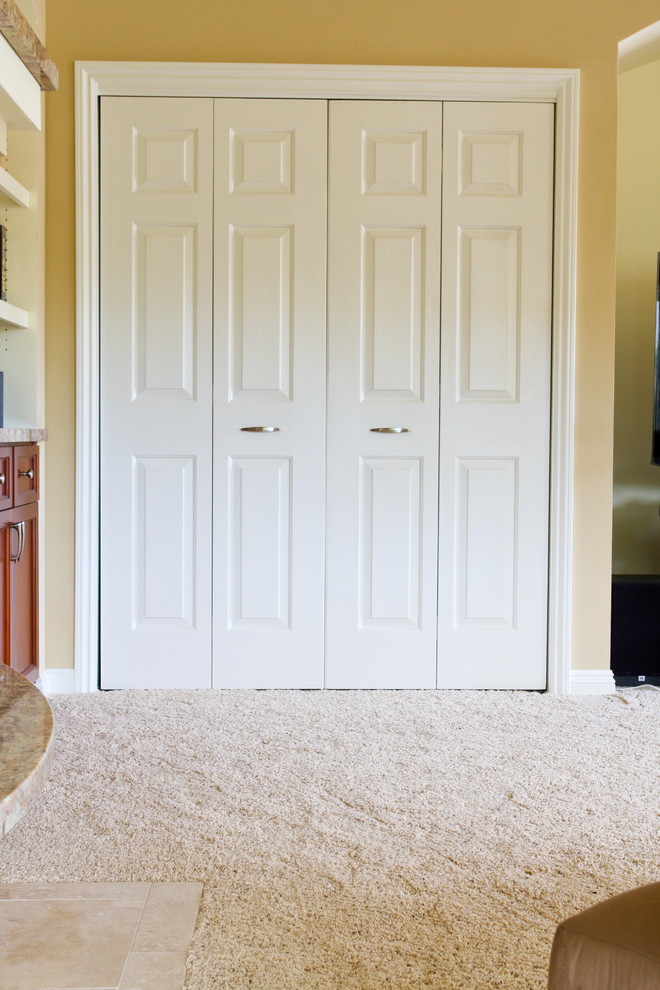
point(553, 33)
point(34, 12)
point(636, 524)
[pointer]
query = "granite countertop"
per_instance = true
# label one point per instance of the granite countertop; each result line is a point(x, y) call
point(26, 744)
point(21, 434)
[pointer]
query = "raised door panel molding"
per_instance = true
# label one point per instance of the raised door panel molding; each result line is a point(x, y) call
point(487, 544)
point(392, 312)
point(260, 290)
point(261, 162)
point(393, 163)
point(164, 160)
point(260, 548)
point(164, 331)
point(163, 544)
point(491, 164)
point(489, 314)
point(390, 542)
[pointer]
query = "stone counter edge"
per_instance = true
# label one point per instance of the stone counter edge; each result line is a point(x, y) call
point(22, 434)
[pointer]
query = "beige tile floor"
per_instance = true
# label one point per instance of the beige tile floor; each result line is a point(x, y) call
point(96, 936)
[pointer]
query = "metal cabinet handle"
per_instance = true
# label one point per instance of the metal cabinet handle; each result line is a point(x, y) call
point(389, 429)
point(2, 478)
point(260, 429)
point(20, 529)
point(28, 474)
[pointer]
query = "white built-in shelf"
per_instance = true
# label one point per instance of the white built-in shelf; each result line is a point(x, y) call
point(20, 93)
point(13, 315)
point(13, 190)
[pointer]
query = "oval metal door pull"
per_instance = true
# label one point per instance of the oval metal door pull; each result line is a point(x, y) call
point(28, 474)
point(260, 429)
point(389, 429)
point(20, 532)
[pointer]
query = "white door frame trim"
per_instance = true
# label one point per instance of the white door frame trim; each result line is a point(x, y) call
point(95, 79)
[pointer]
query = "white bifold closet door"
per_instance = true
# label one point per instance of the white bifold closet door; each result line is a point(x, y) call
point(495, 395)
point(384, 223)
point(232, 554)
point(400, 182)
point(156, 258)
point(269, 392)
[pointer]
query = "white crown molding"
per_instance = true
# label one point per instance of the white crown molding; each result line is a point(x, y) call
point(640, 48)
point(243, 79)
point(592, 682)
point(57, 681)
point(558, 86)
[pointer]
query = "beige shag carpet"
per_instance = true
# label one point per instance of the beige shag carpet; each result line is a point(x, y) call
point(355, 840)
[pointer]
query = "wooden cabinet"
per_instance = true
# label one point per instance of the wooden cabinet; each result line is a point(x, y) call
point(19, 563)
point(6, 478)
point(26, 474)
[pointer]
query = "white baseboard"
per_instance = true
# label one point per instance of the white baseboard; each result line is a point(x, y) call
point(58, 680)
point(592, 682)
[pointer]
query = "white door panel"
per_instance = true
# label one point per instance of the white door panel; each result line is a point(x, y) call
point(156, 249)
point(390, 525)
point(259, 555)
point(270, 220)
point(163, 556)
point(383, 348)
point(226, 559)
point(495, 395)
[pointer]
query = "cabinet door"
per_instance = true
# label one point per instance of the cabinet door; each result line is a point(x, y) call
point(6, 478)
point(26, 474)
point(23, 567)
point(8, 537)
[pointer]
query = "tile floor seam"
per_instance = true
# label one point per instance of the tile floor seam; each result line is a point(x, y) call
point(131, 961)
point(66, 900)
point(137, 929)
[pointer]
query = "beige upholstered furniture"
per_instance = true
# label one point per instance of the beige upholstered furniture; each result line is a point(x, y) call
point(614, 945)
